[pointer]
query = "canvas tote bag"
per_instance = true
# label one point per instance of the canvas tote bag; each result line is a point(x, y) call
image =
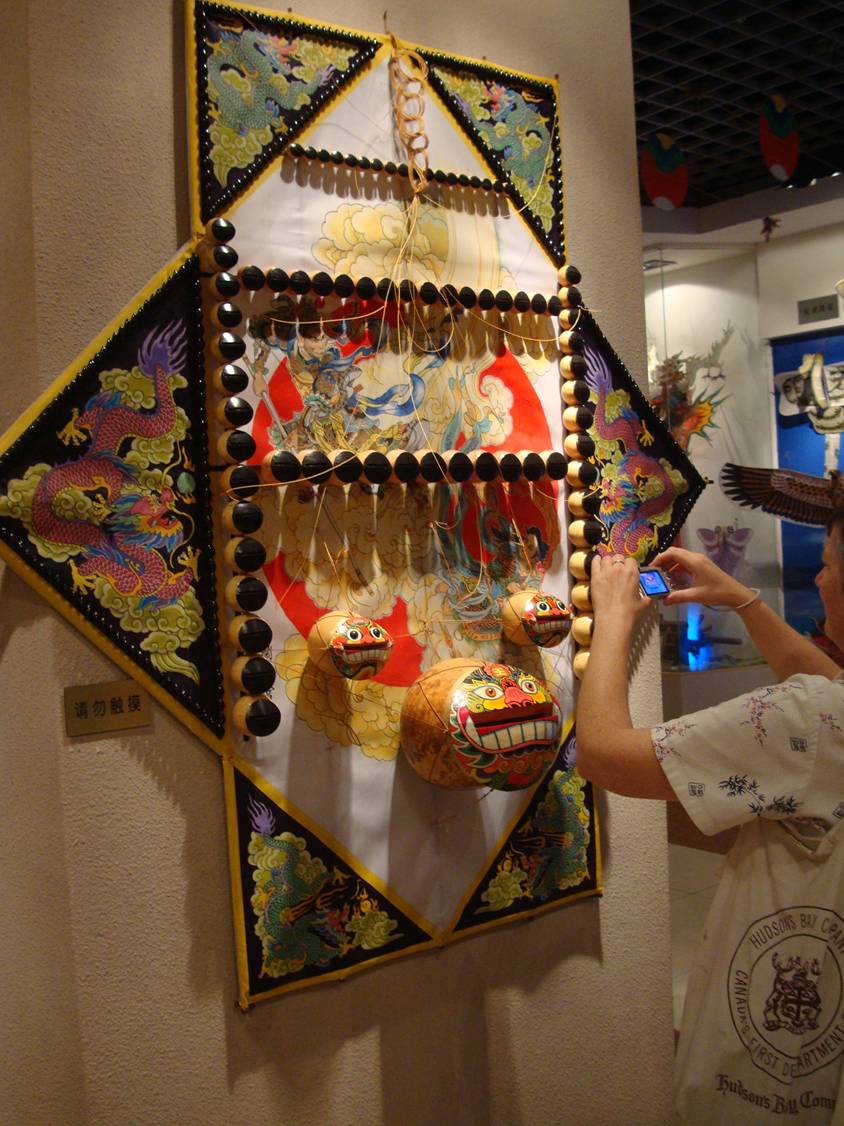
point(762, 1037)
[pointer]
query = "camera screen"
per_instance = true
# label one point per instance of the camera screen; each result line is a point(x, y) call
point(653, 583)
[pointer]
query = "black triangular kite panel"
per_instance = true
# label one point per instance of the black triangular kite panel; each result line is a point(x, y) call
point(648, 484)
point(105, 496)
point(493, 107)
point(307, 913)
point(551, 854)
point(259, 80)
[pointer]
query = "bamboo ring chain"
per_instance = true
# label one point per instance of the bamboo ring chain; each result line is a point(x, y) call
point(408, 71)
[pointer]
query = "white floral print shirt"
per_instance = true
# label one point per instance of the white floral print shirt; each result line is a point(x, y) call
point(776, 752)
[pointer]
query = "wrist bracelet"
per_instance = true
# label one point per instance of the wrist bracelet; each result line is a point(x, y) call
point(755, 597)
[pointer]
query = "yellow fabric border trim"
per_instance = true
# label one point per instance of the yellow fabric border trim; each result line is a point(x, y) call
point(194, 189)
point(341, 975)
point(238, 922)
point(526, 915)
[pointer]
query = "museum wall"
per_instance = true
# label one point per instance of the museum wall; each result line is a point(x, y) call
point(792, 268)
point(118, 979)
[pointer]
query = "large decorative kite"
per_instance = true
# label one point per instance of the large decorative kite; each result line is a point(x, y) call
point(309, 489)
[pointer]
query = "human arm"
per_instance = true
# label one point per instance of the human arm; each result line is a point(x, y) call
point(785, 650)
point(611, 752)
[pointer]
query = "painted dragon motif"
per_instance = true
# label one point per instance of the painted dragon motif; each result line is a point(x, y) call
point(513, 125)
point(306, 916)
point(638, 490)
point(111, 513)
point(255, 82)
point(548, 853)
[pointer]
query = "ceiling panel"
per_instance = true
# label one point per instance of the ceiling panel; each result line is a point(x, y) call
point(703, 67)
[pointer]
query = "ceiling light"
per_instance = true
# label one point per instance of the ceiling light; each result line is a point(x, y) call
point(657, 263)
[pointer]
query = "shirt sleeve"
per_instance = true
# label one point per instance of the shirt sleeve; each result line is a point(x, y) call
point(753, 756)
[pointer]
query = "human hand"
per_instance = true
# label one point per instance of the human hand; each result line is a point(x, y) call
point(705, 581)
point(614, 588)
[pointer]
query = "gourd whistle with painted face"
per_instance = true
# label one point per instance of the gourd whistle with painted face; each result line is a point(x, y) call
point(530, 617)
point(505, 725)
point(356, 648)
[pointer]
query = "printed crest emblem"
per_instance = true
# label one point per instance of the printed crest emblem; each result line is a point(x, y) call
point(785, 986)
point(794, 1002)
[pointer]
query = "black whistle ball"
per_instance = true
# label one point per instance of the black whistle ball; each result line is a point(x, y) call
point(277, 280)
point(250, 555)
point(230, 346)
point(240, 446)
point(511, 466)
point(285, 467)
point(533, 467)
point(247, 516)
point(262, 717)
point(221, 230)
point(300, 282)
point(237, 411)
point(243, 480)
point(252, 278)
point(377, 468)
point(227, 285)
point(233, 379)
point(432, 467)
point(588, 473)
point(344, 286)
point(316, 467)
point(251, 595)
point(486, 466)
point(406, 467)
point(254, 635)
point(578, 366)
point(347, 467)
point(591, 503)
point(227, 315)
point(365, 288)
point(224, 257)
point(555, 466)
point(257, 674)
point(460, 467)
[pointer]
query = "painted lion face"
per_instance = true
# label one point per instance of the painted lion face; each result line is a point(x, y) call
point(505, 726)
point(546, 620)
point(359, 648)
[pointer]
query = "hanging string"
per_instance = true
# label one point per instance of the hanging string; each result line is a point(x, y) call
point(305, 560)
point(505, 488)
point(275, 319)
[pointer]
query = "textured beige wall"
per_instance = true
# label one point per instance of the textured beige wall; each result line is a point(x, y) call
point(117, 991)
